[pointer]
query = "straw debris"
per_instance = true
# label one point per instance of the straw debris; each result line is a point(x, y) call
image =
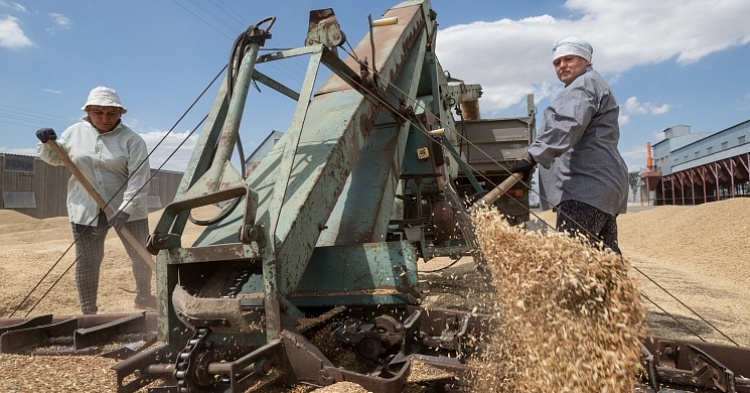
point(571, 315)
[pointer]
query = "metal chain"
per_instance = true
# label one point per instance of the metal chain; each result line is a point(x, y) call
point(184, 374)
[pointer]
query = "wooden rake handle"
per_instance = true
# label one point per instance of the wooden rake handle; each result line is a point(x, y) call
point(101, 202)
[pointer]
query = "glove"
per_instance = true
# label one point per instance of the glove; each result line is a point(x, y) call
point(46, 134)
point(118, 219)
point(526, 166)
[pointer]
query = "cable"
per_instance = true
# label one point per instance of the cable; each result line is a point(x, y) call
point(674, 318)
point(71, 246)
point(121, 187)
point(29, 118)
point(223, 8)
point(455, 261)
point(229, 12)
point(203, 20)
point(405, 97)
point(686, 306)
point(211, 14)
point(49, 271)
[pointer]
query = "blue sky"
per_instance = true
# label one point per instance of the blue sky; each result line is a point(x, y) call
point(672, 62)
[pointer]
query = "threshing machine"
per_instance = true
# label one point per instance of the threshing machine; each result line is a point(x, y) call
point(330, 227)
point(331, 223)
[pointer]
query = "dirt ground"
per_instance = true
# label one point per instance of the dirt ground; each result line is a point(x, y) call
point(697, 255)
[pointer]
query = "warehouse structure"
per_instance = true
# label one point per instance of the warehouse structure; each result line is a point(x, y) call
point(692, 168)
point(33, 187)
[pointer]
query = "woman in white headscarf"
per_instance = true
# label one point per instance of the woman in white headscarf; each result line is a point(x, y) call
point(114, 160)
point(582, 176)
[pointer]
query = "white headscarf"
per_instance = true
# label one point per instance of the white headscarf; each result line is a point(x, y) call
point(572, 46)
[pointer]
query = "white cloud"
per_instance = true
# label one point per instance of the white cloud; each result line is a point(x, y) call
point(60, 21)
point(512, 58)
point(13, 5)
point(172, 150)
point(634, 158)
point(632, 105)
point(11, 34)
point(661, 109)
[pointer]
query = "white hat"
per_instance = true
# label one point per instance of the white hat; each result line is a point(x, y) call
point(572, 46)
point(104, 96)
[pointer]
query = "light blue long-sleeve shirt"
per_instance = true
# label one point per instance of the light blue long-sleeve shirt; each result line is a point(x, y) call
point(111, 162)
point(576, 147)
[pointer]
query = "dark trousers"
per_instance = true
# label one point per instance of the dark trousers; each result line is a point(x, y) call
point(595, 225)
point(90, 254)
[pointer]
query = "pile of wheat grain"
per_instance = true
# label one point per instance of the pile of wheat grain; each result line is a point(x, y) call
point(343, 387)
point(571, 316)
point(26, 374)
point(711, 236)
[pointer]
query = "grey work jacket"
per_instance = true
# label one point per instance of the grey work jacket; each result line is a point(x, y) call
point(576, 147)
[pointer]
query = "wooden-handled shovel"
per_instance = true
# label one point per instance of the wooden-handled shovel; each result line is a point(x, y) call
point(101, 202)
point(498, 191)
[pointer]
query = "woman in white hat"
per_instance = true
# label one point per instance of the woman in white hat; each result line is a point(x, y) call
point(114, 160)
point(582, 175)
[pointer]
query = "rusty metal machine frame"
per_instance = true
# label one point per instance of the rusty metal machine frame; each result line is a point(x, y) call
point(268, 261)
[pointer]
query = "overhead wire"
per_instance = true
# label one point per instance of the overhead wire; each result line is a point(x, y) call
point(203, 20)
point(30, 118)
point(212, 15)
point(230, 12)
point(286, 72)
point(242, 24)
point(34, 119)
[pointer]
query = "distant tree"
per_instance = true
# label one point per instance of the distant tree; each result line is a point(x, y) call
point(634, 180)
